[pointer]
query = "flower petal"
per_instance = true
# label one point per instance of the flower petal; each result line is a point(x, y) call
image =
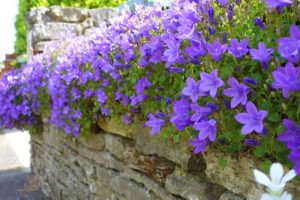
point(289, 176)
point(276, 173)
point(261, 178)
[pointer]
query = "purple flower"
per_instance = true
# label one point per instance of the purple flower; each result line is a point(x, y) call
point(199, 145)
point(192, 89)
point(75, 93)
point(127, 119)
point(175, 70)
point(278, 3)
point(211, 15)
point(238, 92)
point(289, 46)
point(210, 82)
point(155, 124)
point(251, 142)
point(206, 129)
point(211, 30)
point(252, 120)
point(249, 81)
point(259, 22)
point(230, 12)
point(101, 95)
point(142, 84)
point(261, 54)
point(173, 52)
point(181, 119)
point(216, 50)
point(199, 112)
point(291, 132)
point(287, 78)
point(291, 136)
point(238, 49)
point(223, 2)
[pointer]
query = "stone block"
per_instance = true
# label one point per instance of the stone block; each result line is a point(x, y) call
point(150, 184)
point(130, 189)
point(54, 30)
point(35, 15)
point(93, 141)
point(72, 15)
point(236, 176)
point(190, 186)
point(102, 14)
point(177, 152)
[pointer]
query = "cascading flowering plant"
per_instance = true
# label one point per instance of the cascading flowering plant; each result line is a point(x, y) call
point(221, 73)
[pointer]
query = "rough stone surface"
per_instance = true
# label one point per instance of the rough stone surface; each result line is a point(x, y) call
point(50, 24)
point(54, 31)
point(230, 196)
point(58, 14)
point(237, 176)
point(190, 186)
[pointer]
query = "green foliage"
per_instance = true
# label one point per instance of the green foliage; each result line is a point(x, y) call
point(25, 5)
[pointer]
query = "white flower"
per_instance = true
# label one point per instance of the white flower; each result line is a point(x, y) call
point(284, 196)
point(277, 183)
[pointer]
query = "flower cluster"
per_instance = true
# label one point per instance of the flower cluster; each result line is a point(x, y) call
point(202, 68)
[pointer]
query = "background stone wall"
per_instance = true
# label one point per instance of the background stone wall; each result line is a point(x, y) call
point(49, 24)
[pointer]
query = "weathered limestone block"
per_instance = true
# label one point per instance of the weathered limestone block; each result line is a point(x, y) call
point(40, 46)
point(116, 126)
point(117, 145)
point(59, 14)
point(35, 15)
point(93, 141)
point(103, 14)
point(99, 191)
point(54, 30)
point(150, 184)
point(123, 186)
point(177, 152)
point(237, 176)
point(191, 186)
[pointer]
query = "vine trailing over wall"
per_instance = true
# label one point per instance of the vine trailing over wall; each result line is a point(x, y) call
point(25, 5)
point(222, 73)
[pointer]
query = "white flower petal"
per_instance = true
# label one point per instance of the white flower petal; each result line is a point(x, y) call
point(276, 173)
point(289, 176)
point(266, 196)
point(286, 196)
point(261, 178)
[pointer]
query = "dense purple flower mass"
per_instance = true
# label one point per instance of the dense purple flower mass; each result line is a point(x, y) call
point(210, 82)
point(238, 49)
point(252, 120)
point(287, 78)
point(237, 91)
point(155, 124)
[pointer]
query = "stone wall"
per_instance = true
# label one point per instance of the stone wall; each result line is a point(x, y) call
point(126, 163)
point(49, 24)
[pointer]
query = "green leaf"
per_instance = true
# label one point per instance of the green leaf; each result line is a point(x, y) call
point(222, 163)
point(265, 166)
